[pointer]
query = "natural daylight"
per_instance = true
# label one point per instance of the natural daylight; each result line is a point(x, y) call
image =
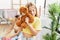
point(29, 19)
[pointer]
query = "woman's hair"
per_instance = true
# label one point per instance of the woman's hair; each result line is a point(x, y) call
point(30, 4)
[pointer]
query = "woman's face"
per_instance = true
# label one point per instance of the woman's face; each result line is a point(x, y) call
point(32, 10)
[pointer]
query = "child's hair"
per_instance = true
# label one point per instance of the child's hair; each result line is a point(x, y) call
point(31, 4)
point(16, 16)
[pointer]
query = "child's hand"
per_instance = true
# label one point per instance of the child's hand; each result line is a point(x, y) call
point(8, 31)
point(29, 24)
point(27, 20)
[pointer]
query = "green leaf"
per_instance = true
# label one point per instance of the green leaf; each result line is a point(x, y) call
point(46, 27)
point(54, 9)
point(47, 37)
point(54, 36)
point(54, 15)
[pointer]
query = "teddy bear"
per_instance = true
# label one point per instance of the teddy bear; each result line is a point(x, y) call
point(24, 10)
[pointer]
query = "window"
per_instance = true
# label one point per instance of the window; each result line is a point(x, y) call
point(12, 4)
point(1, 13)
point(17, 3)
point(5, 4)
point(23, 2)
point(33, 1)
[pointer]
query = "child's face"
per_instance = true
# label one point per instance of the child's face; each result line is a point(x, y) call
point(32, 10)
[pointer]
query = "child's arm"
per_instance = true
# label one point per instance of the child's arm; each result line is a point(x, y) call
point(33, 30)
point(19, 30)
point(36, 29)
point(9, 29)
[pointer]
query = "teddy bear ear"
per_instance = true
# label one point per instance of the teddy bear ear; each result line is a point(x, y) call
point(25, 9)
point(21, 6)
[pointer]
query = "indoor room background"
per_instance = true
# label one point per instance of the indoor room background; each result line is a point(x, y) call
point(10, 8)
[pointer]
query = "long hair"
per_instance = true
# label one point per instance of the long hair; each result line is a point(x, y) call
point(31, 4)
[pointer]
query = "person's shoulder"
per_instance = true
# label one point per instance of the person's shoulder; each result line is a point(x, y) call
point(36, 18)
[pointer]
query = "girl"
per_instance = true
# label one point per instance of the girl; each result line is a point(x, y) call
point(33, 28)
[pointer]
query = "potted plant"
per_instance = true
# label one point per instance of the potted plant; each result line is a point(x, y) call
point(54, 15)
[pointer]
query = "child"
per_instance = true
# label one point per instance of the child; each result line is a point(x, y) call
point(33, 28)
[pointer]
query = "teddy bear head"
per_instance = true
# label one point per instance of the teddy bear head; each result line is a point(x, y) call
point(23, 10)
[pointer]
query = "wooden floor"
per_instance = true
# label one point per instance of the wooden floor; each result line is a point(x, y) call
point(3, 29)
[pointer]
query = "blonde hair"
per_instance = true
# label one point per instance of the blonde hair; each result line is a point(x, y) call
point(31, 4)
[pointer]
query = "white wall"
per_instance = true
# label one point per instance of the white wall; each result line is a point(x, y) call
point(5, 4)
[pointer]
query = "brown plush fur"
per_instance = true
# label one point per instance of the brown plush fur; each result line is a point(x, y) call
point(22, 22)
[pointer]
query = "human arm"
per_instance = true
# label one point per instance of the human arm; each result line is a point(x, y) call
point(33, 30)
point(15, 34)
point(35, 27)
point(10, 27)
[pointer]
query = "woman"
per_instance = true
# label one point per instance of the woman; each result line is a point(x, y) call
point(33, 28)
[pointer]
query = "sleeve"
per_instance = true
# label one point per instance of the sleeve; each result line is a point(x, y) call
point(38, 25)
